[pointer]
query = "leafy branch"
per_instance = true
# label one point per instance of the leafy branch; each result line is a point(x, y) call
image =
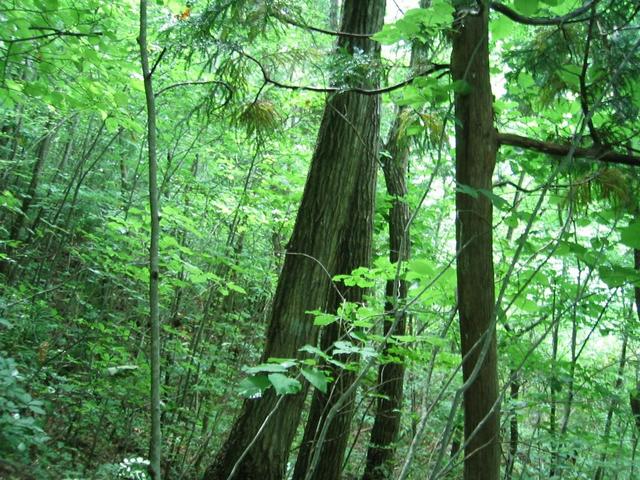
point(54, 32)
point(542, 21)
point(436, 67)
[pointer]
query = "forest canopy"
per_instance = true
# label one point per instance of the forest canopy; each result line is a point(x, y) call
point(319, 240)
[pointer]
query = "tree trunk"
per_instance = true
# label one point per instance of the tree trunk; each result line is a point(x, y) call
point(354, 252)
point(334, 208)
point(391, 375)
point(7, 265)
point(475, 160)
point(617, 386)
point(30, 195)
point(334, 14)
point(634, 396)
point(155, 443)
point(553, 407)
point(514, 376)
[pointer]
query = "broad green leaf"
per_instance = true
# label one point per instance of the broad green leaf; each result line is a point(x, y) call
point(570, 74)
point(266, 367)
point(388, 35)
point(501, 27)
point(422, 267)
point(526, 305)
point(315, 378)
point(462, 87)
point(322, 319)
point(466, 189)
point(314, 350)
point(283, 384)
point(630, 235)
point(236, 288)
point(511, 221)
point(617, 276)
point(254, 386)
point(526, 7)
point(36, 407)
point(499, 202)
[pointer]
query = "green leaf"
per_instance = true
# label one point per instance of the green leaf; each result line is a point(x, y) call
point(526, 7)
point(422, 267)
point(121, 99)
point(404, 338)
point(501, 28)
point(617, 276)
point(322, 319)
point(36, 407)
point(466, 189)
point(284, 385)
point(526, 305)
point(462, 87)
point(511, 221)
point(499, 202)
point(236, 288)
point(315, 378)
point(570, 74)
point(388, 35)
point(266, 367)
point(314, 350)
point(254, 386)
point(630, 235)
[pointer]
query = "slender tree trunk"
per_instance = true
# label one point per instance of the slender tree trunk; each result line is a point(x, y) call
point(334, 14)
point(553, 407)
point(475, 161)
point(7, 265)
point(557, 462)
point(634, 396)
point(66, 154)
point(600, 471)
point(30, 195)
point(514, 377)
point(391, 375)
point(155, 444)
point(346, 151)
point(13, 136)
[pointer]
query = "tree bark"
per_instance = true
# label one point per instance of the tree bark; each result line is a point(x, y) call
point(334, 217)
point(391, 375)
point(155, 443)
point(475, 160)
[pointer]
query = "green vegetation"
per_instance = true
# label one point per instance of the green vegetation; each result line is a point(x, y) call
point(201, 277)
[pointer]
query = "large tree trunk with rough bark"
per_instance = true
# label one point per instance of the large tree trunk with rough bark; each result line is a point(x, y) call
point(354, 251)
point(391, 375)
point(336, 205)
point(475, 161)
